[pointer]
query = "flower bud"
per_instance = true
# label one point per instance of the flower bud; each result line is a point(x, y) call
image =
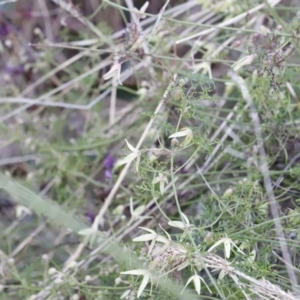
point(228, 193)
point(174, 143)
point(52, 271)
point(236, 44)
point(118, 281)
point(45, 257)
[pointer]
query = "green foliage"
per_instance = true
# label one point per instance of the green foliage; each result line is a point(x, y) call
point(192, 160)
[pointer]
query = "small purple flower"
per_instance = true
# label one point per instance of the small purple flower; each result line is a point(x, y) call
point(107, 174)
point(14, 70)
point(27, 13)
point(4, 29)
point(91, 216)
point(109, 162)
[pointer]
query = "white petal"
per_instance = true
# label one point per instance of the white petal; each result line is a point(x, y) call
point(87, 231)
point(131, 148)
point(205, 66)
point(138, 211)
point(156, 180)
point(215, 245)
point(147, 229)
point(183, 265)
point(144, 7)
point(188, 139)
point(227, 247)
point(238, 249)
point(162, 239)
point(167, 234)
point(130, 157)
point(151, 247)
point(247, 60)
point(185, 218)
point(115, 68)
point(125, 294)
point(135, 272)
point(177, 224)
point(264, 30)
point(138, 162)
point(251, 257)
point(143, 284)
point(187, 283)
point(222, 274)
point(197, 284)
point(162, 187)
point(22, 210)
point(145, 237)
point(183, 132)
point(206, 284)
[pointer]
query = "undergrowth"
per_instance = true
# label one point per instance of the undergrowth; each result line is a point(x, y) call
point(160, 161)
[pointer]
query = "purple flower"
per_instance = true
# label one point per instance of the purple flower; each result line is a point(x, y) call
point(91, 216)
point(27, 13)
point(109, 162)
point(4, 29)
point(107, 174)
point(14, 70)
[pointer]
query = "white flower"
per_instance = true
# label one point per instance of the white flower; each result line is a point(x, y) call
point(247, 60)
point(147, 277)
point(152, 236)
point(205, 66)
point(161, 179)
point(126, 294)
point(115, 69)
point(135, 154)
point(228, 243)
point(187, 132)
point(182, 225)
point(140, 13)
point(22, 210)
point(197, 283)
